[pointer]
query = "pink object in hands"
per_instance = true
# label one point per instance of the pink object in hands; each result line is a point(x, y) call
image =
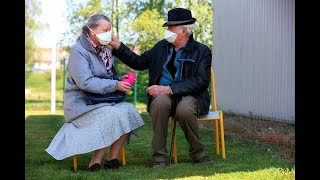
point(126, 80)
point(132, 76)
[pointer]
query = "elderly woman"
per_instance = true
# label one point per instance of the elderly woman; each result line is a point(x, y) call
point(94, 127)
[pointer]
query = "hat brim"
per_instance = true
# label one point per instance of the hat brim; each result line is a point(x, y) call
point(175, 23)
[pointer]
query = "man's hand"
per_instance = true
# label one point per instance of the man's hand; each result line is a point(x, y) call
point(115, 42)
point(154, 90)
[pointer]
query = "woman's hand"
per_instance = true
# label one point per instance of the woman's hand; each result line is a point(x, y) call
point(124, 77)
point(123, 86)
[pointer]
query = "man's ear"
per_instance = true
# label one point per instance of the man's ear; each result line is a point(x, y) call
point(185, 31)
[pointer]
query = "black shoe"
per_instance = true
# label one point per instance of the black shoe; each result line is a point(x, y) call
point(204, 159)
point(94, 167)
point(159, 165)
point(112, 164)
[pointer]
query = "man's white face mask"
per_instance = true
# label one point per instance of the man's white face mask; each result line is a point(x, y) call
point(170, 36)
point(104, 38)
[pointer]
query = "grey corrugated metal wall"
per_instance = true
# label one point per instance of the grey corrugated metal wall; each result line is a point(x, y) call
point(254, 57)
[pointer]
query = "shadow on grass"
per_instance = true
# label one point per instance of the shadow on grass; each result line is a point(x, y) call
point(241, 156)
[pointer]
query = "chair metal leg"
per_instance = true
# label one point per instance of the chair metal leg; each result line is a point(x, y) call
point(222, 136)
point(174, 145)
point(75, 163)
point(216, 131)
point(123, 156)
point(175, 157)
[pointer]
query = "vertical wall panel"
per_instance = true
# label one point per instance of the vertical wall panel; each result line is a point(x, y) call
point(254, 57)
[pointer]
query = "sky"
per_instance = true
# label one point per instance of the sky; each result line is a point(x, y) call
point(53, 12)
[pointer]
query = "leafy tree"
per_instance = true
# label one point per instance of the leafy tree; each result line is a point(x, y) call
point(138, 7)
point(77, 16)
point(31, 26)
point(79, 13)
point(203, 12)
point(149, 25)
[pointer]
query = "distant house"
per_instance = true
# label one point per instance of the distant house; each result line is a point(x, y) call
point(254, 58)
point(44, 59)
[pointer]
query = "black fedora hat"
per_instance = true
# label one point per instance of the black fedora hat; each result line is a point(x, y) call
point(179, 16)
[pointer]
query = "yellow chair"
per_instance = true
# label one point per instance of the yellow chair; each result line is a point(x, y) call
point(213, 115)
point(122, 156)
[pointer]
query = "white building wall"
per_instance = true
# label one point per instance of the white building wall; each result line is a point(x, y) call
point(254, 57)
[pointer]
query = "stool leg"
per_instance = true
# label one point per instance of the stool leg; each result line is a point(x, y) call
point(75, 163)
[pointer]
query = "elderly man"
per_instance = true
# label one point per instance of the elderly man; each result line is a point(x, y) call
point(179, 76)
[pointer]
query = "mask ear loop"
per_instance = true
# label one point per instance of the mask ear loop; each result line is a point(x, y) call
point(179, 31)
point(92, 30)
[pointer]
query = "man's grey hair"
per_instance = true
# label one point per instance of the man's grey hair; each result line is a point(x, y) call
point(189, 27)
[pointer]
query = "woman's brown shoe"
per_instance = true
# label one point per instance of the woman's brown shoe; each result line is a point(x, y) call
point(94, 167)
point(112, 164)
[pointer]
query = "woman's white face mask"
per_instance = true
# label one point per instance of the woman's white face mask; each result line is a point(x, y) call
point(170, 36)
point(104, 38)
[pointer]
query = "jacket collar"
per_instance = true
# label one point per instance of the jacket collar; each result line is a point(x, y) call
point(190, 44)
point(85, 42)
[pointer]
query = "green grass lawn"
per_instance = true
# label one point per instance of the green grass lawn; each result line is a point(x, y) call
point(244, 160)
